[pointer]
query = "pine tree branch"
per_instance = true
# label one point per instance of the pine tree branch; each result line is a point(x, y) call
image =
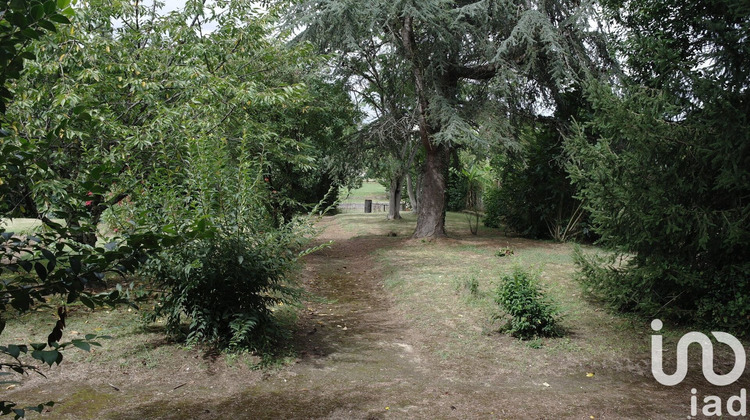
point(484, 72)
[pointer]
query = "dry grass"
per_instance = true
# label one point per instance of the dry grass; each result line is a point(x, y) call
point(396, 328)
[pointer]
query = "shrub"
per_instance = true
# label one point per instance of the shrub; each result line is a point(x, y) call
point(225, 286)
point(532, 313)
point(220, 286)
point(659, 288)
point(533, 196)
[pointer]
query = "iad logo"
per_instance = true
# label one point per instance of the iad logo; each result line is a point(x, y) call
point(736, 406)
point(708, 357)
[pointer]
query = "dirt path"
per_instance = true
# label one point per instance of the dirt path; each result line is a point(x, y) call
point(360, 356)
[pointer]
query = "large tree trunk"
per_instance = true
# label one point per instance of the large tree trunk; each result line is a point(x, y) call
point(394, 196)
point(431, 214)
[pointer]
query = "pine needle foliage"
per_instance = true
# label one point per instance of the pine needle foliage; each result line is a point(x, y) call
point(664, 165)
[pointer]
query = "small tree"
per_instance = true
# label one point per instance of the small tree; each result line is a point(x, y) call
point(532, 314)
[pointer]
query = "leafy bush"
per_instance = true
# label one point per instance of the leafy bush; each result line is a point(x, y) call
point(535, 197)
point(223, 281)
point(225, 286)
point(532, 313)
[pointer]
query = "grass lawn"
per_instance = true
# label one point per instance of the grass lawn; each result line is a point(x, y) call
point(22, 225)
point(369, 191)
point(391, 327)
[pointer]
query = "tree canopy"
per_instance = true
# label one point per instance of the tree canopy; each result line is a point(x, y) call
point(474, 66)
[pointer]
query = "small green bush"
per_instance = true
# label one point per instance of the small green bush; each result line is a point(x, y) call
point(225, 287)
point(532, 314)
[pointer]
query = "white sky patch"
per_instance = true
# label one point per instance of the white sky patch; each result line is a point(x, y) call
point(169, 6)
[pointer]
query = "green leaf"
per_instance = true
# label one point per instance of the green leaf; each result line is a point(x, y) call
point(45, 24)
point(63, 4)
point(51, 265)
point(38, 346)
point(48, 255)
point(72, 296)
point(75, 264)
point(14, 351)
point(49, 357)
point(59, 18)
point(82, 345)
point(27, 55)
point(50, 6)
point(40, 271)
point(30, 33)
point(37, 11)
point(26, 265)
point(87, 301)
point(39, 408)
point(18, 5)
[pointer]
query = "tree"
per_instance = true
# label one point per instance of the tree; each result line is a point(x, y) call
point(470, 62)
point(167, 131)
point(375, 79)
point(52, 262)
point(324, 123)
point(664, 162)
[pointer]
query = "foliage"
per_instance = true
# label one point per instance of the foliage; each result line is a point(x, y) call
point(226, 279)
point(21, 22)
point(324, 120)
point(456, 189)
point(471, 64)
point(664, 162)
point(226, 286)
point(504, 252)
point(389, 143)
point(141, 122)
point(55, 261)
point(533, 196)
point(468, 177)
point(493, 209)
point(667, 195)
point(532, 313)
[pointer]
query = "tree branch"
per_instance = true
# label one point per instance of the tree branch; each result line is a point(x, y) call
point(483, 72)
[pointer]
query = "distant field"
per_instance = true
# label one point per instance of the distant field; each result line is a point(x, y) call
point(369, 191)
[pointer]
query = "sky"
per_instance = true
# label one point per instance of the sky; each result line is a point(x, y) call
point(171, 5)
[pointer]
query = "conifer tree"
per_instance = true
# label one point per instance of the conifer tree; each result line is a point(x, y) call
point(474, 66)
point(664, 163)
